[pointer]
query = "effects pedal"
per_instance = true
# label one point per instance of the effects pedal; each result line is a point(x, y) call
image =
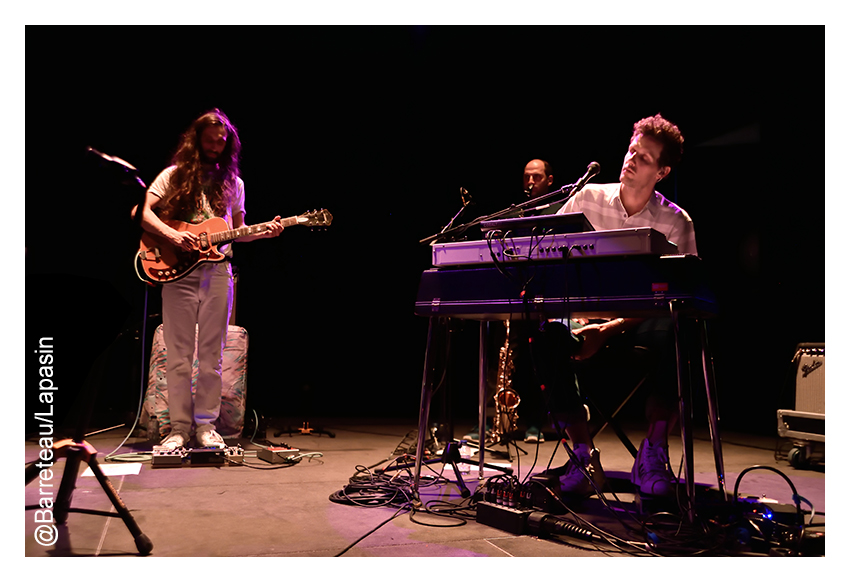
point(164, 457)
point(204, 457)
point(277, 455)
point(234, 455)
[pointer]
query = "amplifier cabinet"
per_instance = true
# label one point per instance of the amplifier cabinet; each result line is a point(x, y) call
point(231, 421)
point(806, 424)
point(811, 378)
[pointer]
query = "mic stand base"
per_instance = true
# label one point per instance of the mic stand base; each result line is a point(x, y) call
point(305, 429)
point(451, 456)
point(488, 447)
point(82, 452)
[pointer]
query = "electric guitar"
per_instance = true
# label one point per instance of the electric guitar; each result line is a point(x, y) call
point(158, 261)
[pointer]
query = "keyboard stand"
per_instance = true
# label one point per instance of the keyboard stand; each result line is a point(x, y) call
point(677, 310)
point(602, 286)
point(428, 392)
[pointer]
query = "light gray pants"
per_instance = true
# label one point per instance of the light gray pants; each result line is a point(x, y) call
point(203, 297)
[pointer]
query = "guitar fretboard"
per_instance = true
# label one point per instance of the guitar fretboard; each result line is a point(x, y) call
point(228, 235)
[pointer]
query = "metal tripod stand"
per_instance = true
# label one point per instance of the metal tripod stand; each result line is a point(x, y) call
point(77, 450)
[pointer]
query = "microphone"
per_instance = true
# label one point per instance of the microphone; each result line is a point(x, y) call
point(572, 189)
point(112, 159)
point(592, 170)
point(116, 162)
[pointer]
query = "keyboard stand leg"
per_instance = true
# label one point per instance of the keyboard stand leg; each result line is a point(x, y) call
point(425, 403)
point(685, 410)
point(713, 412)
point(482, 394)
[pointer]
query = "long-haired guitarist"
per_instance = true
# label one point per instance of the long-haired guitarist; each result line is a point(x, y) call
point(202, 183)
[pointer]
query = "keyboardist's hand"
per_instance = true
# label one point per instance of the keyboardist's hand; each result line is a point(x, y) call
point(597, 335)
point(594, 338)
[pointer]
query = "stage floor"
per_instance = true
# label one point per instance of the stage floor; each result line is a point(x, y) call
point(262, 509)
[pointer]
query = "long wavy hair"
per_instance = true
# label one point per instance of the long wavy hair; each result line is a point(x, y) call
point(190, 177)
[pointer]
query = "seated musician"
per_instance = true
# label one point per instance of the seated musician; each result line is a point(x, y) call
point(655, 148)
point(537, 179)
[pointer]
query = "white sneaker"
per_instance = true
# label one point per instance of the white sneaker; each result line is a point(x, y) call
point(175, 440)
point(574, 482)
point(210, 439)
point(533, 435)
point(651, 471)
point(472, 435)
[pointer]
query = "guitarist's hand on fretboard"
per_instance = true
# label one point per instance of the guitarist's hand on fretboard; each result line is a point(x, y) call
point(275, 228)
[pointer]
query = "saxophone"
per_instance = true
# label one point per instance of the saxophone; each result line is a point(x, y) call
point(506, 398)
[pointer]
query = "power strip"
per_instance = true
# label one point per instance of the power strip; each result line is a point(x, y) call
point(504, 518)
point(528, 521)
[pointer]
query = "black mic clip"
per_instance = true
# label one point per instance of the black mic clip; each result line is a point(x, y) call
point(465, 197)
point(467, 201)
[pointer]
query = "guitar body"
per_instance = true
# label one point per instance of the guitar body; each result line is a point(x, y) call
point(158, 261)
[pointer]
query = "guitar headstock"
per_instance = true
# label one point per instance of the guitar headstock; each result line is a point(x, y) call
point(315, 218)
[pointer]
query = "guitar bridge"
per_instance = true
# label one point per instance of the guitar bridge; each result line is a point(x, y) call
point(143, 255)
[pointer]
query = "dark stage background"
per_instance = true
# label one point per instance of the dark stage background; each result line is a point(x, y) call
point(382, 126)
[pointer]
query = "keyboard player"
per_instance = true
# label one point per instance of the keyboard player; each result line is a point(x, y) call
point(654, 150)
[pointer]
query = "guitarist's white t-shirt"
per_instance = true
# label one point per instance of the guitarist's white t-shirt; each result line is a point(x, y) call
point(161, 187)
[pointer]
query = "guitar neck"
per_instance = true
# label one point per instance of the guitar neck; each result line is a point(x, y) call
point(233, 234)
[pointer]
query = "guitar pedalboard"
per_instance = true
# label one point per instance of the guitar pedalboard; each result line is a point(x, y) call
point(202, 457)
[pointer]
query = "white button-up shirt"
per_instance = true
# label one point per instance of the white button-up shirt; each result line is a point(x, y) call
point(601, 204)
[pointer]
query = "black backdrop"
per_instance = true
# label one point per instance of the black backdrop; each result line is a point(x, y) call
point(382, 126)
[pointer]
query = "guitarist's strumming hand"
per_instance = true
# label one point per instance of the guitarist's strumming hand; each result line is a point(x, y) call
point(183, 239)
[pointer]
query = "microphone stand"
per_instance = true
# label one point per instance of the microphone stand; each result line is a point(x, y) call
point(467, 201)
point(571, 189)
point(461, 228)
point(77, 450)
